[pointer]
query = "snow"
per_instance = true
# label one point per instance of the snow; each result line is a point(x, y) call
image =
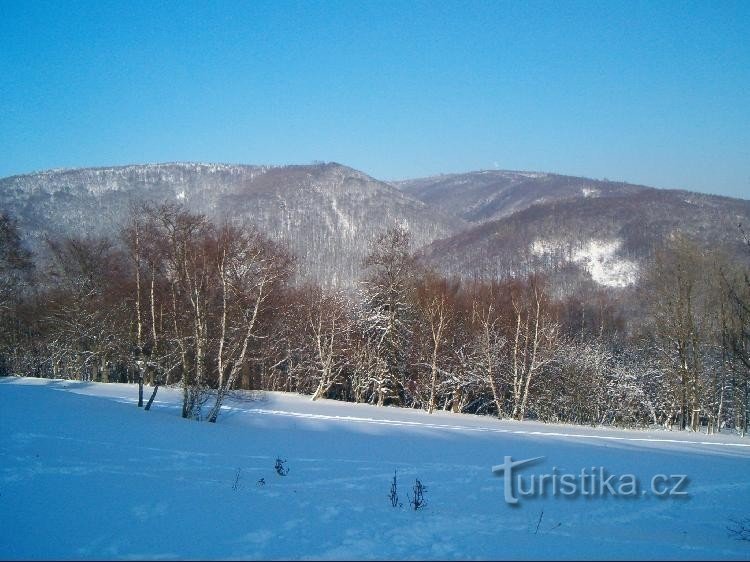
point(597, 256)
point(347, 226)
point(541, 247)
point(590, 191)
point(86, 474)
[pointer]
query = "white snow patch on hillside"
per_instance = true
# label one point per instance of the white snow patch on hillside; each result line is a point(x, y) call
point(590, 192)
point(543, 247)
point(347, 226)
point(597, 256)
point(599, 259)
point(181, 195)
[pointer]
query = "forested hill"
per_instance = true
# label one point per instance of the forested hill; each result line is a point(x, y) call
point(606, 241)
point(492, 194)
point(326, 213)
point(490, 224)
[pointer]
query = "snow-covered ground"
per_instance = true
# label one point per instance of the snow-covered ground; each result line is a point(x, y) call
point(84, 473)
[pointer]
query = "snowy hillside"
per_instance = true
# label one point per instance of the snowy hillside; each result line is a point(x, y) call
point(86, 474)
point(606, 240)
point(327, 213)
point(493, 194)
point(478, 224)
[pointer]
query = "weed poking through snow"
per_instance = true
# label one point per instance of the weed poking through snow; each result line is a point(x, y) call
point(393, 495)
point(281, 470)
point(418, 501)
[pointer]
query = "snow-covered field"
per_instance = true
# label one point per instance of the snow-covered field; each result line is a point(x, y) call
point(86, 474)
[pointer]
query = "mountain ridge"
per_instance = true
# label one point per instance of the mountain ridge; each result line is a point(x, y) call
point(479, 223)
point(327, 213)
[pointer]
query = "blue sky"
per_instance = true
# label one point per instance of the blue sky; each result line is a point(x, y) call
point(646, 92)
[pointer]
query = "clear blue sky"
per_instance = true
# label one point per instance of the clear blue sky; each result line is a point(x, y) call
point(653, 92)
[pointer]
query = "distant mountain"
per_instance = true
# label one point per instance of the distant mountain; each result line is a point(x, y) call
point(487, 223)
point(602, 240)
point(327, 213)
point(492, 194)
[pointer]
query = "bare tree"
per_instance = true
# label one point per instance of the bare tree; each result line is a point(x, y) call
point(534, 342)
point(435, 306)
point(678, 284)
point(250, 268)
point(85, 311)
point(16, 270)
point(491, 342)
point(388, 301)
point(736, 335)
point(328, 327)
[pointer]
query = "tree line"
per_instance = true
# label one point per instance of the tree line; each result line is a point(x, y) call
point(179, 300)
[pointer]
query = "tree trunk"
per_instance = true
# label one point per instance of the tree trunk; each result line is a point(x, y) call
point(320, 392)
point(456, 402)
point(153, 395)
point(433, 382)
point(246, 384)
point(140, 387)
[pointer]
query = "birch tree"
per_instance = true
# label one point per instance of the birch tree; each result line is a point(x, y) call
point(491, 342)
point(249, 268)
point(533, 345)
point(328, 326)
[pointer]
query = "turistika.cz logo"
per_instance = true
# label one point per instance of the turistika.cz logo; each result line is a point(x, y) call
point(589, 482)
